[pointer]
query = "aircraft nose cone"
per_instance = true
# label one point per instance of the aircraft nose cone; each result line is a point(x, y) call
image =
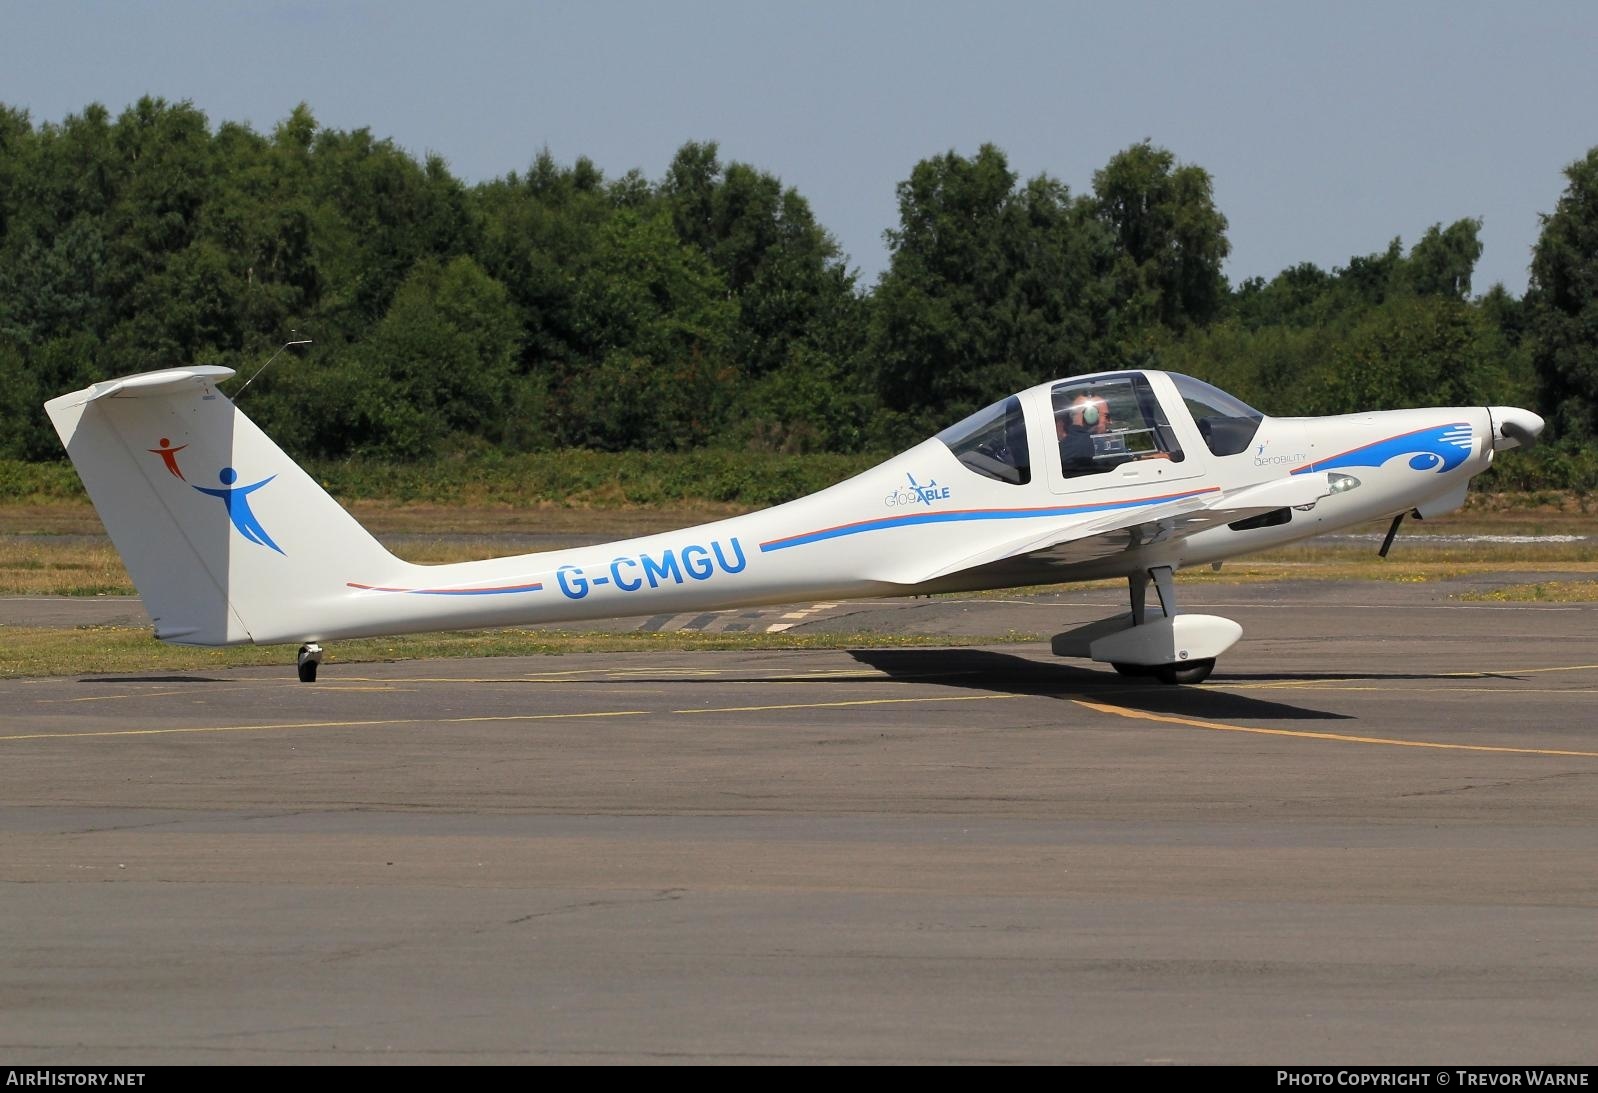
point(1514, 427)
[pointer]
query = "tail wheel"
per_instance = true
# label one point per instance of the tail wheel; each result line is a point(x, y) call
point(1188, 671)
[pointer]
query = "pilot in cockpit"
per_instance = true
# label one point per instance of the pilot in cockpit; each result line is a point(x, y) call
point(1087, 417)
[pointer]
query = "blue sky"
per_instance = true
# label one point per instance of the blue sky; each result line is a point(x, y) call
point(1328, 128)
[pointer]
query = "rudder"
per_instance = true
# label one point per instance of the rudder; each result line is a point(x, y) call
point(225, 537)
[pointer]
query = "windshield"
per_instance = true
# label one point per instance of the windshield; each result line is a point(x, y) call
point(1226, 423)
point(992, 442)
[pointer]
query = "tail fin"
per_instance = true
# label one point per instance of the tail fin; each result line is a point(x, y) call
point(225, 537)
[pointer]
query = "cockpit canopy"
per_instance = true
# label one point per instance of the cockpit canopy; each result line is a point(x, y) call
point(1101, 422)
point(993, 442)
point(1226, 422)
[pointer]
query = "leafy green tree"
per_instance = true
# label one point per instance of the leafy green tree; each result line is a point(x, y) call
point(781, 266)
point(654, 320)
point(49, 368)
point(68, 171)
point(1370, 280)
point(689, 190)
point(263, 216)
point(1280, 368)
point(50, 288)
point(1309, 341)
point(989, 288)
point(187, 313)
point(1442, 262)
point(1299, 295)
point(18, 397)
point(16, 134)
point(379, 214)
point(168, 152)
point(1562, 305)
point(539, 235)
point(1417, 351)
point(821, 397)
point(938, 339)
point(441, 362)
point(1389, 329)
point(53, 256)
point(1170, 238)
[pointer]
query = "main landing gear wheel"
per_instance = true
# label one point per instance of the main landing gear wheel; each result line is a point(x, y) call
point(310, 657)
point(1166, 645)
point(1188, 671)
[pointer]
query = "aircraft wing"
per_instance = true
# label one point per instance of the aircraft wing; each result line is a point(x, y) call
point(1068, 539)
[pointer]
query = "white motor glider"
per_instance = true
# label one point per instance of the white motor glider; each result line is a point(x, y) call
point(1129, 474)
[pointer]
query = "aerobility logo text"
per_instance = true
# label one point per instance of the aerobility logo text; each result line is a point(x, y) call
point(1277, 459)
point(631, 572)
point(916, 494)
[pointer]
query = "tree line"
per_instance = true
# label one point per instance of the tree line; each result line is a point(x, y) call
point(558, 308)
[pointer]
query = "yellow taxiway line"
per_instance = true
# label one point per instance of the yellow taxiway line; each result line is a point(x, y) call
point(853, 702)
point(1341, 738)
point(327, 725)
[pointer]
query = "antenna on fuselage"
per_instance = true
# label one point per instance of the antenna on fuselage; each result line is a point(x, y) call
point(269, 360)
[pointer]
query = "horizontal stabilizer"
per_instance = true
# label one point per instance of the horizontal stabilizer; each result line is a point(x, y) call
point(150, 384)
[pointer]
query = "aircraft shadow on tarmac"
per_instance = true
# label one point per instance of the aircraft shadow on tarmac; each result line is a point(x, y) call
point(988, 670)
point(984, 669)
point(150, 679)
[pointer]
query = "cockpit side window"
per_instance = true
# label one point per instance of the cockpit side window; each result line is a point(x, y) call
point(992, 442)
point(1226, 423)
point(1104, 422)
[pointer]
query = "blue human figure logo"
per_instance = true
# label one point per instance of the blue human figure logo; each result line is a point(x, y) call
point(237, 501)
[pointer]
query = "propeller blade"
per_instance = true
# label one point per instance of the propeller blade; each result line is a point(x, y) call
point(1514, 427)
point(1514, 430)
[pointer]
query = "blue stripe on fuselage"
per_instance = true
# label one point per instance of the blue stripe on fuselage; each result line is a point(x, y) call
point(964, 515)
point(1451, 444)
